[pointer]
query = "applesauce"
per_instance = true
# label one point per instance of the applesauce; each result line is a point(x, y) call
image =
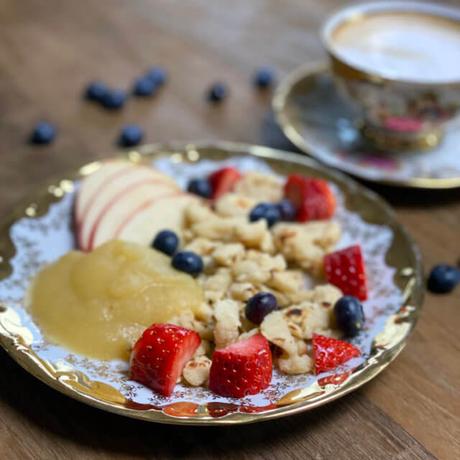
point(98, 304)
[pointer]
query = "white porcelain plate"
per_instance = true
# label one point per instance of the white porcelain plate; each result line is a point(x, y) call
point(40, 231)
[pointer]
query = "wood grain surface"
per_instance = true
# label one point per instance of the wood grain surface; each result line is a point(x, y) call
point(49, 49)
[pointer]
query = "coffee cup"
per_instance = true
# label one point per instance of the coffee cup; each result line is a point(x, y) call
point(398, 65)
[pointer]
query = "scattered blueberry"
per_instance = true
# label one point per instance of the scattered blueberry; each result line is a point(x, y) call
point(188, 262)
point(443, 278)
point(166, 241)
point(259, 306)
point(144, 86)
point(96, 91)
point(349, 315)
point(217, 92)
point(287, 210)
point(114, 99)
point(157, 75)
point(43, 133)
point(130, 135)
point(267, 211)
point(264, 77)
point(200, 187)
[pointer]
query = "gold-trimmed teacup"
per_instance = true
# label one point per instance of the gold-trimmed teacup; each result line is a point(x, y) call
point(394, 113)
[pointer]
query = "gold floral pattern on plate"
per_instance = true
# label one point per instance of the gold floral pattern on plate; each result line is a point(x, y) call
point(39, 231)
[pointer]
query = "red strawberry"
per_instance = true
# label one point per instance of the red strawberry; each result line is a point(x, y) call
point(346, 270)
point(223, 180)
point(243, 368)
point(328, 353)
point(313, 198)
point(160, 354)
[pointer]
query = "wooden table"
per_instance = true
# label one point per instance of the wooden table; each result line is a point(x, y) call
point(49, 50)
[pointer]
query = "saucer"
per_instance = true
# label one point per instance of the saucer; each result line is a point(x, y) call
point(313, 117)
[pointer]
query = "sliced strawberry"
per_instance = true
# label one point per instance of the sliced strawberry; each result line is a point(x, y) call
point(328, 353)
point(160, 354)
point(346, 270)
point(223, 181)
point(243, 368)
point(313, 198)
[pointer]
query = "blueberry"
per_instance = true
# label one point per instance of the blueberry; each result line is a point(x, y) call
point(267, 211)
point(166, 241)
point(130, 135)
point(259, 306)
point(200, 187)
point(114, 99)
point(349, 315)
point(43, 133)
point(144, 86)
point(96, 90)
point(217, 92)
point(157, 75)
point(287, 210)
point(443, 278)
point(264, 77)
point(188, 262)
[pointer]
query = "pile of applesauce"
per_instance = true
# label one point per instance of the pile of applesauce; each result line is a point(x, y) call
point(97, 304)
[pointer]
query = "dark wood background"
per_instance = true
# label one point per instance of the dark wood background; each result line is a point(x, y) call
point(49, 49)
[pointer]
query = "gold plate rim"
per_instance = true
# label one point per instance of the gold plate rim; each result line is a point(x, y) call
point(279, 103)
point(413, 290)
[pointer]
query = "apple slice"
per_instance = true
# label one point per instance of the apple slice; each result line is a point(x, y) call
point(121, 206)
point(113, 187)
point(92, 184)
point(153, 216)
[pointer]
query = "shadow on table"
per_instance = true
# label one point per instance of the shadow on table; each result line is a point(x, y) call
point(272, 136)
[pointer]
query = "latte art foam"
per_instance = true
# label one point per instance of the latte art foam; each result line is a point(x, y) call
point(405, 46)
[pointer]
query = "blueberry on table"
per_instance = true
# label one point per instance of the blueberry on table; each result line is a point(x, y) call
point(443, 278)
point(114, 99)
point(144, 86)
point(259, 306)
point(43, 133)
point(267, 211)
point(217, 92)
point(166, 241)
point(188, 262)
point(287, 210)
point(264, 77)
point(349, 315)
point(130, 135)
point(157, 75)
point(200, 187)
point(96, 90)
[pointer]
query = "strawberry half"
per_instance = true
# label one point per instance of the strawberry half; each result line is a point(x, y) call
point(346, 270)
point(313, 198)
point(223, 181)
point(160, 354)
point(328, 353)
point(243, 368)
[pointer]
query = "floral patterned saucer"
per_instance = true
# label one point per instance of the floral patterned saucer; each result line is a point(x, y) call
point(40, 231)
point(313, 117)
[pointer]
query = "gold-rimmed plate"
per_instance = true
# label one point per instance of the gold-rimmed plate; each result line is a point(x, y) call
point(313, 116)
point(40, 230)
